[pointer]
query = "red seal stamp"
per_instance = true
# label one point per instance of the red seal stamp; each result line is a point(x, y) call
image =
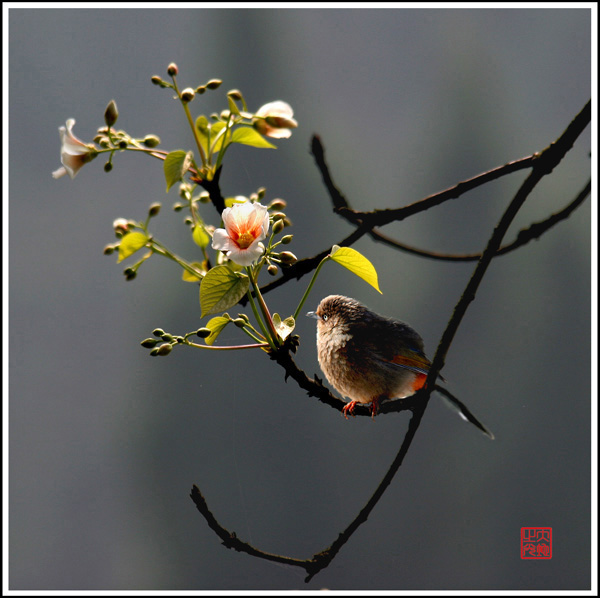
point(536, 542)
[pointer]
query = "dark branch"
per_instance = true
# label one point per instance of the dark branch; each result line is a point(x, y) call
point(534, 231)
point(543, 164)
point(214, 189)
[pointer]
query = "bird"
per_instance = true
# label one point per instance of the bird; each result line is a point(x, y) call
point(370, 358)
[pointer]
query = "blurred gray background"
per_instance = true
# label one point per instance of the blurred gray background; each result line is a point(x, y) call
point(106, 442)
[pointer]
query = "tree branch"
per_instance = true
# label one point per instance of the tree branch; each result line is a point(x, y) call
point(542, 164)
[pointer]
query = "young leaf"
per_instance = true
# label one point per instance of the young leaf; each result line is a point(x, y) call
point(176, 165)
point(217, 140)
point(203, 131)
point(231, 201)
point(283, 327)
point(357, 264)
point(215, 325)
point(131, 243)
point(220, 289)
point(200, 236)
point(232, 106)
point(249, 136)
point(189, 277)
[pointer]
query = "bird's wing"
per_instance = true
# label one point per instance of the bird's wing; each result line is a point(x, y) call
point(415, 362)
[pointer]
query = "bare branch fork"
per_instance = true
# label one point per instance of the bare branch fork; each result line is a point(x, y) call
point(541, 164)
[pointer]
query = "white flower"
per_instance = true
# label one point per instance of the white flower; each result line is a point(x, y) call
point(275, 120)
point(246, 224)
point(73, 152)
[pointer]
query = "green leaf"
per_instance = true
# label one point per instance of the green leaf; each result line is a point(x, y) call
point(189, 277)
point(176, 165)
point(215, 325)
point(233, 106)
point(215, 129)
point(231, 201)
point(357, 264)
point(249, 136)
point(202, 124)
point(203, 129)
point(220, 289)
point(200, 236)
point(283, 327)
point(131, 243)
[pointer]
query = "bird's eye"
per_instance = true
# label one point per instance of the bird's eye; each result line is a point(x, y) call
point(324, 317)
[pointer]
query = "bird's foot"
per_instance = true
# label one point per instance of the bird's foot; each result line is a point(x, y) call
point(349, 409)
point(374, 407)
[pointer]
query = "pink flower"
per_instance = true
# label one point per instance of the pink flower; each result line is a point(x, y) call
point(275, 120)
point(246, 224)
point(73, 152)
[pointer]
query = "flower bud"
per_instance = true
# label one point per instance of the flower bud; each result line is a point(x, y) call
point(287, 258)
point(156, 80)
point(235, 94)
point(187, 95)
point(244, 317)
point(154, 209)
point(109, 249)
point(123, 144)
point(121, 225)
point(204, 197)
point(200, 89)
point(149, 343)
point(272, 269)
point(164, 349)
point(261, 193)
point(166, 337)
point(240, 322)
point(172, 69)
point(280, 122)
point(278, 216)
point(111, 114)
point(278, 226)
point(102, 141)
point(108, 167)
point(158, 332)
point(130, 273)
point(151, 141)
point(277, 204)
point(178, 206)
point(214, 83)
point(203, 332)
point(287, 239)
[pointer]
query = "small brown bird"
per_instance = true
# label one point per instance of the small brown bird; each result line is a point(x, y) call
point(367, 357)
point(370, 358)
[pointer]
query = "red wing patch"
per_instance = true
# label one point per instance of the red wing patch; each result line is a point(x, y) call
point(416, 363)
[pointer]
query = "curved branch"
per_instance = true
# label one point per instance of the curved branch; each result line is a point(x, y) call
point(321, 559)
point(381, 217)
point(534, 231)
point(544, 164)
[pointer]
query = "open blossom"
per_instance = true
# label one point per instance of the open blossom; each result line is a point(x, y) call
point(73, 152)
point(275, 120)
point(246, 225)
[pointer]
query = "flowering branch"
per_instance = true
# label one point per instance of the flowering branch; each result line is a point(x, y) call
point(248, 240)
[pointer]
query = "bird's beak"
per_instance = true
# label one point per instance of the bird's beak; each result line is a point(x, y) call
point(313, 314)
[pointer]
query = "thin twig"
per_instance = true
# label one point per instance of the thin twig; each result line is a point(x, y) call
point(534, 231)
